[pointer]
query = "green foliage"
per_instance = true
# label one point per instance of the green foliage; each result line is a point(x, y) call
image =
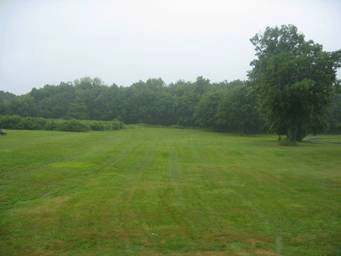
point(148, 102)
point(73, 126)
point(5, 98)
point(334, 117)
point(229, 107)
point(337, 86)
point(37, 123)
point(22, 105)
point(224, 106)
point(294, 81)
point(117, 124)
point(208, 107)
point(237, 111)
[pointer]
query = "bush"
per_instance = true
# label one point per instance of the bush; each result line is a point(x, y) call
point(37, 123)
point(117, 124)
point(11, 122)
point(100, 125)
point(51, 124)
point(32, 123)
point(73, 126)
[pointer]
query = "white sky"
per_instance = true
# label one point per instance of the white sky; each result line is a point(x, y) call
point(123, 41)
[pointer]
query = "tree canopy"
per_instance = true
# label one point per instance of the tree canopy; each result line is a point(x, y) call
point(294, 81)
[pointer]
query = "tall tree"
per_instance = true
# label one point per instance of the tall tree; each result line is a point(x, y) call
point(294, 80)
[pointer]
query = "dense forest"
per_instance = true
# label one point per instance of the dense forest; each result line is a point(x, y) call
point(224, 106)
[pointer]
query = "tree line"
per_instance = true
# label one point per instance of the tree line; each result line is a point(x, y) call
point(224, 106)
point(292, 90)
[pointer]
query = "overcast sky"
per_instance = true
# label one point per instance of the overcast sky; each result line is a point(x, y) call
point(123, 41)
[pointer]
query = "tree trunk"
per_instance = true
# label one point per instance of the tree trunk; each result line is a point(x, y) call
point(292, 135)
point(296, 134)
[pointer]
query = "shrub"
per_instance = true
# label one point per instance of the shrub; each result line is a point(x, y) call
point(37, 123)
point(73, 126)
point(117, 124)
point(11, 122)
point(99, 125)
point(50, 124)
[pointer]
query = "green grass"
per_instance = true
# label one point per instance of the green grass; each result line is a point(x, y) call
point(162, 191)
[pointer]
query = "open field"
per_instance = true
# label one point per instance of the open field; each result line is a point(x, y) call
point(162, 191)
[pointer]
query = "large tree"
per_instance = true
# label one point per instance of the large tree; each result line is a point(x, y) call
point(294, 79)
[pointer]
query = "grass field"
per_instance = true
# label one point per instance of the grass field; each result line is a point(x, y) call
point(162, 191)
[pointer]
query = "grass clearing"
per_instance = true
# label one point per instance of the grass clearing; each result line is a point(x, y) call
point(162, 191)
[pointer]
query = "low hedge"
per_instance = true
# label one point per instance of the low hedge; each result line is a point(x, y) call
point(37, 123)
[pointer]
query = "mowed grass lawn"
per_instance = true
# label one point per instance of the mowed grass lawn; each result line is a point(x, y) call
point(162, 191)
